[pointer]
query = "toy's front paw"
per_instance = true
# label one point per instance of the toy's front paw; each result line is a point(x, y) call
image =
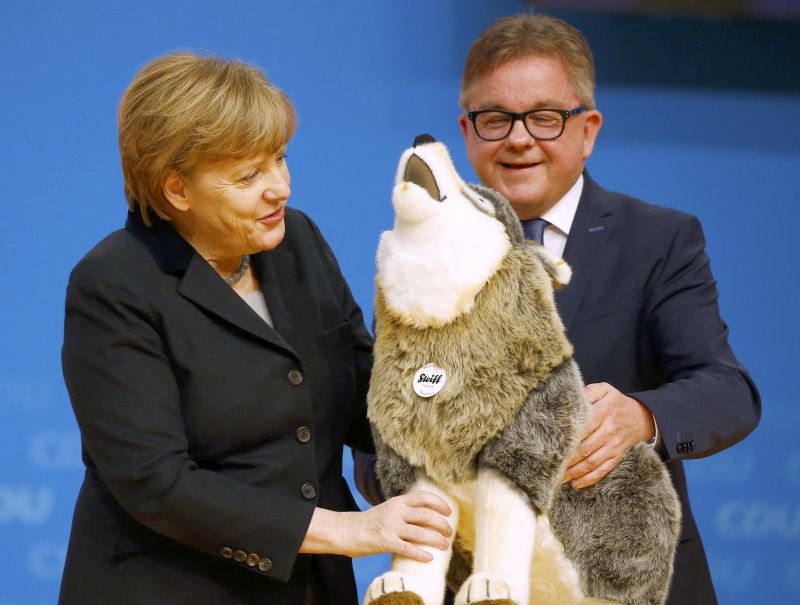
point(392, 588)
point(485, 589)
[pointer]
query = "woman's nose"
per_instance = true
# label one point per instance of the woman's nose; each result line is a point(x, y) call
point(278, 187)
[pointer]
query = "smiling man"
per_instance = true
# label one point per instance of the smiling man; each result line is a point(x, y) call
point(514, 103)
point(641, 309)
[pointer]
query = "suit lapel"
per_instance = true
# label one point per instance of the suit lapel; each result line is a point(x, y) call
point(276, 274)
point(203, 286)
point(593, 224)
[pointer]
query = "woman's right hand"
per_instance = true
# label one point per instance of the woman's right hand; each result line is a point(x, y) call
point(401, 525)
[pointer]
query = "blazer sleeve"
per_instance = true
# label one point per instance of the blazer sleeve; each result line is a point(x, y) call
point(359, 436)
point(709, 401)
point(127, 402)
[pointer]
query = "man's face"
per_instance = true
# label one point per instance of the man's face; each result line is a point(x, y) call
point(533, 175)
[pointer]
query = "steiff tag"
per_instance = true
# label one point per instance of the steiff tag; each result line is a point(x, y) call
point(429, 380)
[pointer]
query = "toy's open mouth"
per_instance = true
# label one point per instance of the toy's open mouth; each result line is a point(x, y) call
point(418, 172)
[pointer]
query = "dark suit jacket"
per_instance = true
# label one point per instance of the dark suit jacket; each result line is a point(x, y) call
point(641, 311)
point(209, 437)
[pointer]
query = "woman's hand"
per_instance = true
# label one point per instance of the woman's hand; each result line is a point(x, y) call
point(400, 525)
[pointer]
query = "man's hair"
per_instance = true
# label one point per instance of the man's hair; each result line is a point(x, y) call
point(526, 34)
point(183, 110)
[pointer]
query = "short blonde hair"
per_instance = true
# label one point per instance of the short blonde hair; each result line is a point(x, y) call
point(183, 110)
point(526, 34)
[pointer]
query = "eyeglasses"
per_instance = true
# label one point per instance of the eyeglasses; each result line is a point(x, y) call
point(541, 124)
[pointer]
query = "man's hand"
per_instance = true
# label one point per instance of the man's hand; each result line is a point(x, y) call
point(616, 423)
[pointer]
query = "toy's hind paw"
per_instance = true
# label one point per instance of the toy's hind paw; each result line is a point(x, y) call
point(391, 589)
point(485, 589)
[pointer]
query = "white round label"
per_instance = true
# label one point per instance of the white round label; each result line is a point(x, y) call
point(429, 380)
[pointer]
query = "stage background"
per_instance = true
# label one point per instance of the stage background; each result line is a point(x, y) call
point(722, 143)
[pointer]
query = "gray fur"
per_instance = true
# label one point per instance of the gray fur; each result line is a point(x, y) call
point(494, 356)
point(533, 450)
point(395, 474)
point(503, 213)
point(506, 215)
point(621, 533)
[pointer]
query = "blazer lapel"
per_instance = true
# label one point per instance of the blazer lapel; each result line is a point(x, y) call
point(203, 286)
point(276, 274)
point(590, 229)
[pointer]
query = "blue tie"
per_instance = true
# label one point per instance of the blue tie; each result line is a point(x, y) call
point(534, 229)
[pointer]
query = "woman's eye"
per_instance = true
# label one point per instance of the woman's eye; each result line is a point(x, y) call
point(251, 176)
point(281, 158)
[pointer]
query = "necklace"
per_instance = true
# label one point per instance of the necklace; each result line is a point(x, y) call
point(244, 264)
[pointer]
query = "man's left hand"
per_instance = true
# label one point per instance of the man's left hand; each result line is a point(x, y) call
point(616, 423)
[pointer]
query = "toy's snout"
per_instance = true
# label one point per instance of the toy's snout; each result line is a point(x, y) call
point(419, 173)
point(423, 139)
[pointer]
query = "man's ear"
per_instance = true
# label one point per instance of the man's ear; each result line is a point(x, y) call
point(174, 189)
point(462, 121)
point(591, 128)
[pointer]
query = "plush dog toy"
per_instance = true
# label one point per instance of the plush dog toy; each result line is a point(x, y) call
point(475, 396)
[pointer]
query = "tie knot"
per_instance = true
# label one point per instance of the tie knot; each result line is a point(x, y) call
point(534, 229)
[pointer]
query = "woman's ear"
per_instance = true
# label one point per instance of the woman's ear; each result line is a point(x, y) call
point(175, 191)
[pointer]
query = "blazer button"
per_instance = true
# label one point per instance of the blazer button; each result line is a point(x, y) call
point(309, 491)
point(303, 434)
point(295, 378)
point(239, 556)
point(226, 552)
point(252, 559)
point(265, 565)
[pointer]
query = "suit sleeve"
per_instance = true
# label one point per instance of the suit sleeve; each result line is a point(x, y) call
point(127, 402)
point(359, 437)
point(365, 474)
point(709, 401)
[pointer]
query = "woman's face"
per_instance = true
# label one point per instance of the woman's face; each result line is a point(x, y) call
point(234, 206)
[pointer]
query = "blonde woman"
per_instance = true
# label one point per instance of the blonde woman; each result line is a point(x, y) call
point(217, 364)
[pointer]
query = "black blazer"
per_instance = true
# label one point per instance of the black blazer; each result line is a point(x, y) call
point(209, 437)
point(642, 314)
point(641, 311)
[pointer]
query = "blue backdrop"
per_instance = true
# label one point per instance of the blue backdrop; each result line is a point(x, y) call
point(366, 77)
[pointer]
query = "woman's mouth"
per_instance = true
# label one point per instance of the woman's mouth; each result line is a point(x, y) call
point(274, 218)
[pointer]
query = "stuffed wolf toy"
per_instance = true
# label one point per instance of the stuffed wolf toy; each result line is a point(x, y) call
point(475, 396)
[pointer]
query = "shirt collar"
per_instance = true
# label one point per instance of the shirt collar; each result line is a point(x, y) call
point(563, 213)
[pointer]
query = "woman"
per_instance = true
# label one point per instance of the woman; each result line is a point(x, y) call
point(217, 364)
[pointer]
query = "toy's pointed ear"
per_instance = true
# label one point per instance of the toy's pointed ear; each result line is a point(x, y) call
point(503, 212)
point(560, 272)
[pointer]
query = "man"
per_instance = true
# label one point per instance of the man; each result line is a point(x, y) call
point(641, 309)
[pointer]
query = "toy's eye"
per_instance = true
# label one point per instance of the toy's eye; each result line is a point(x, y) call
point(481, 204)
